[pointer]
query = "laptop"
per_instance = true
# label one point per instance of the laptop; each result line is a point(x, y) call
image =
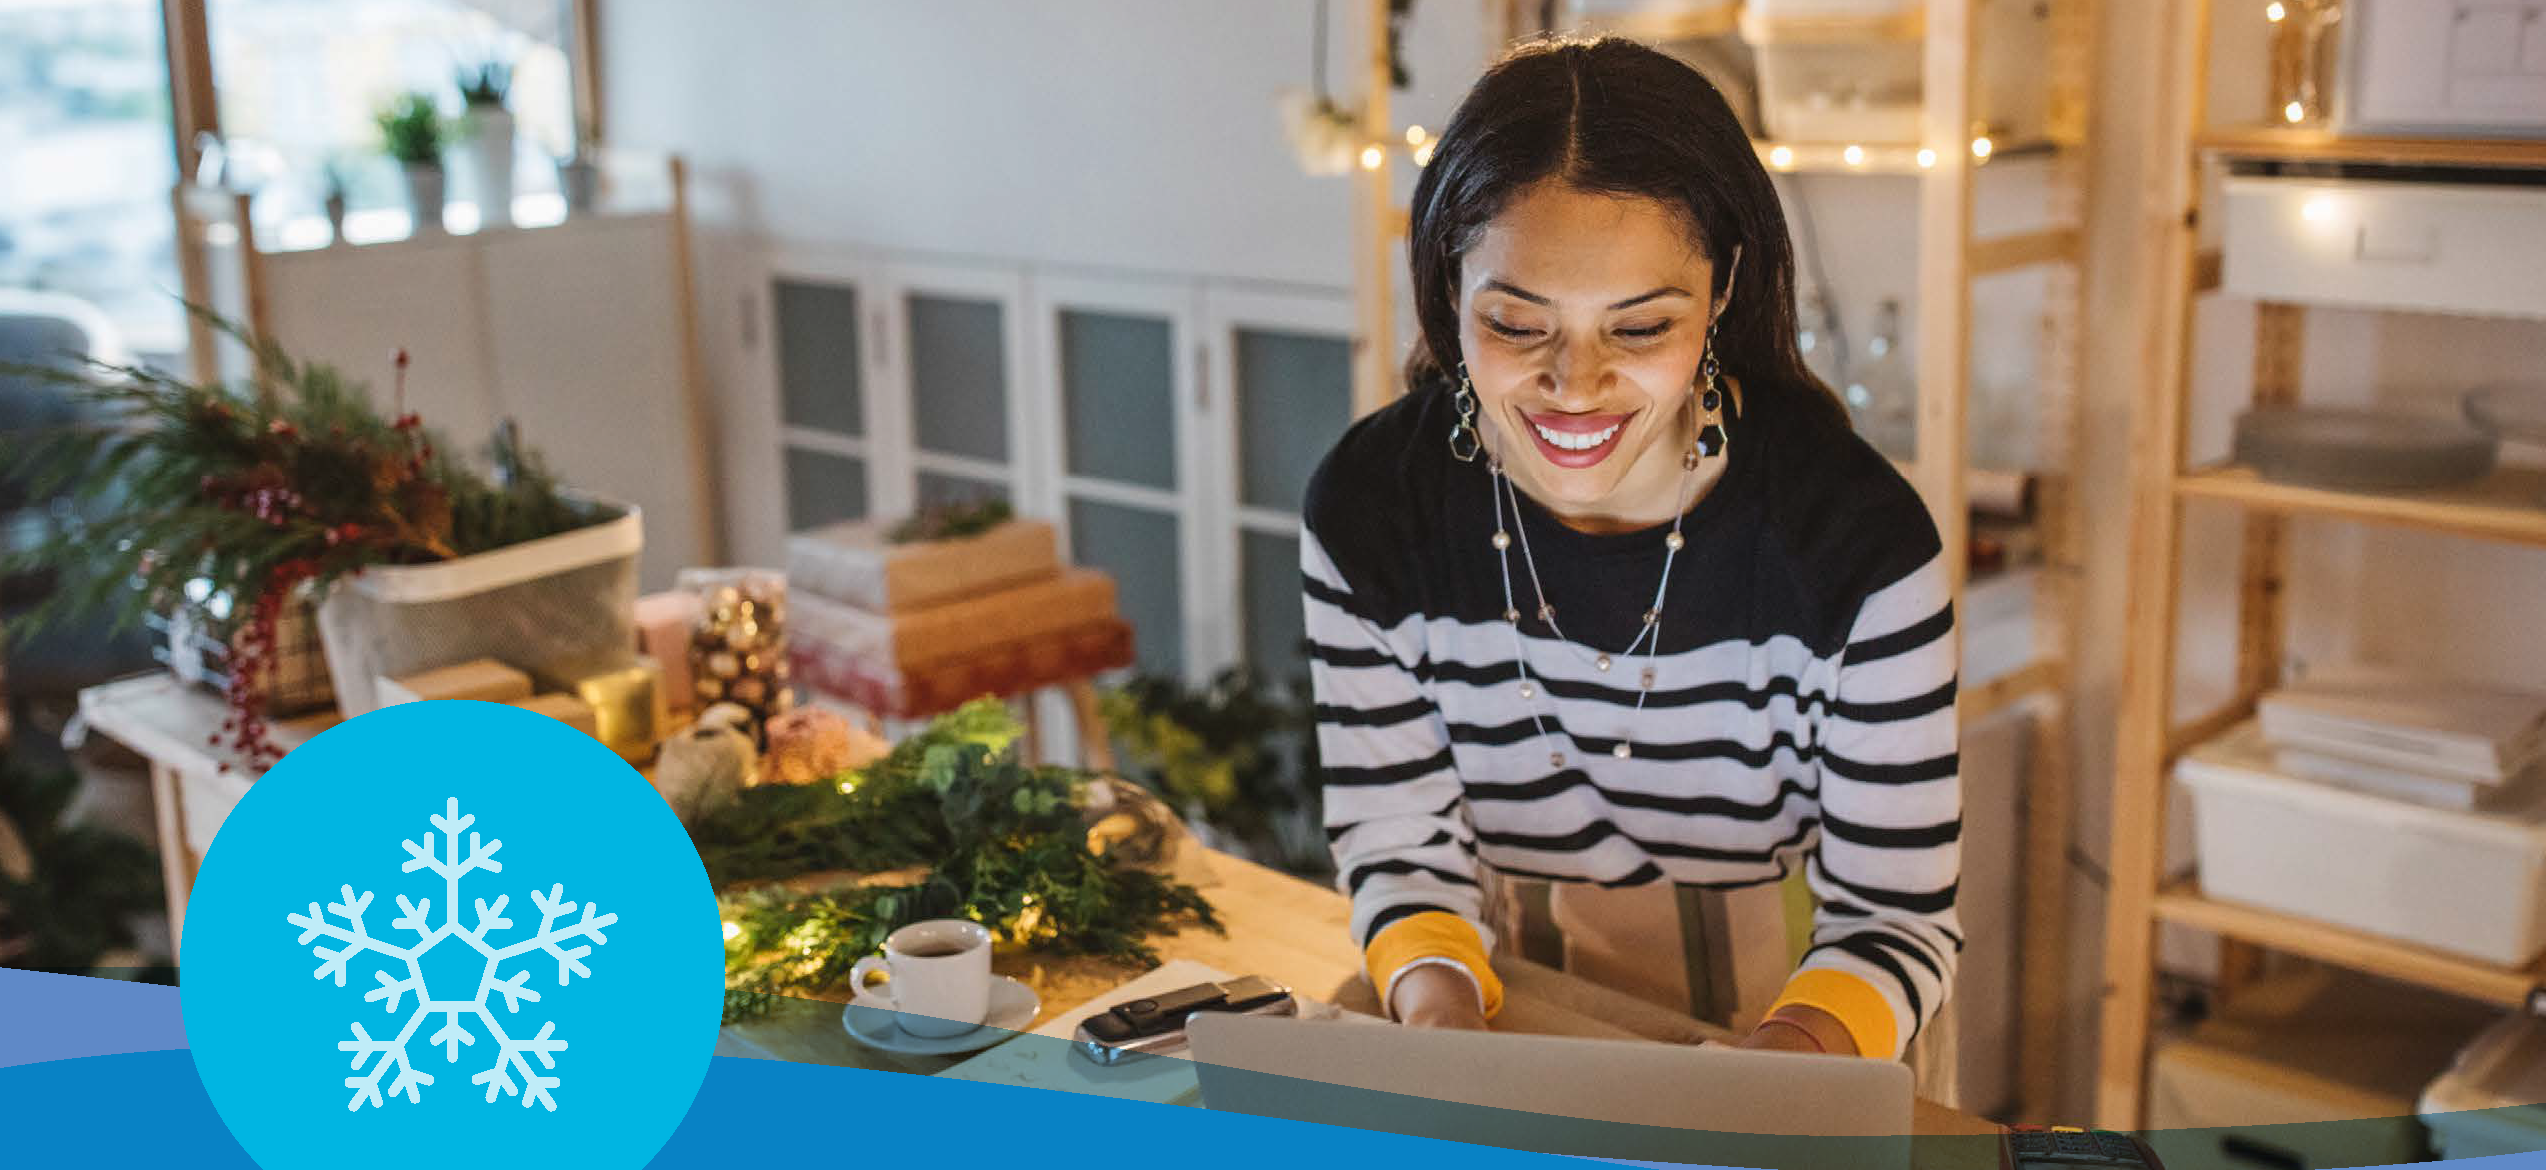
point(1625, 1099)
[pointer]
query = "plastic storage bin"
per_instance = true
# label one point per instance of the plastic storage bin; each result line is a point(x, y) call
point(2443, 247)
point(2489, 1102)
point(2468, 67)
point(562, 608)
point(1849, 70)
point(2470, 883)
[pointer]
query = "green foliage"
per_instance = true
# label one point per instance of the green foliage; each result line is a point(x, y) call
point(256, 492)
point(1220, 751)
point(411, 128)
point(1002, 842)
point(486, 82)
point(952, 521)
point(87, 881)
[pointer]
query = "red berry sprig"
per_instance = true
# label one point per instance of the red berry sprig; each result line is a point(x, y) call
point(253, 651)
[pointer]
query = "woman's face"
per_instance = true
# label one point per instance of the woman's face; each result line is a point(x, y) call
point(1582, 319)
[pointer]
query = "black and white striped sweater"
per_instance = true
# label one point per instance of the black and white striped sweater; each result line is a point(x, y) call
point(1802, 709)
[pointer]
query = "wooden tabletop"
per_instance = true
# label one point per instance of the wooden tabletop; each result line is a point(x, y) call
point(1299, 934)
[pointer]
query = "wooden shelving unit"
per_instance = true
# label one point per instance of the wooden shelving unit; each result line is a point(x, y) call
point(2500, 986)
point(2295, 145)
point(2509, 506)
point(1951, 255)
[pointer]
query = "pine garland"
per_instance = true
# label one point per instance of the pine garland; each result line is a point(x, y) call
point(1003, 843)
point(259, 493)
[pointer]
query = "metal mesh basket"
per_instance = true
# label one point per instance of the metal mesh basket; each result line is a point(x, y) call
point(299, 680)
point(561, 609)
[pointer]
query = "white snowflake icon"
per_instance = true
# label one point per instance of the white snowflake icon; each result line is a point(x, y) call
point(403, 973)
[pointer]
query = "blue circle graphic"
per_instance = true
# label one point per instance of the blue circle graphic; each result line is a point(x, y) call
point(452, 933)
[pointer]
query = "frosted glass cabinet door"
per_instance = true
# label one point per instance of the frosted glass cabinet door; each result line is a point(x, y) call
point(955, 403)
point(821, 386)
point(819, 351)
point(1288, 362)
point(1122, 445)
point(1295, 396)
point(959, 377)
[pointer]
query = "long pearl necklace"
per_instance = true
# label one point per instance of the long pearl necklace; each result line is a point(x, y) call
point(1649, 638)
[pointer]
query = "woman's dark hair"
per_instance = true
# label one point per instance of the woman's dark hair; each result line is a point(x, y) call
point(1613, 117)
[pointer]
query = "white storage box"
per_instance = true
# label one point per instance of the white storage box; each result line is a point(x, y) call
point(1659, 20)
point(1848, 71)
point(2446, 247)
point(561, 608)
point(2470, 883)
point(2489, 1102)
point(2432, 726)
point(2465, 67)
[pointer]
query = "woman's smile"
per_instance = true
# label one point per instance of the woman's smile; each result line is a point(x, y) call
point(1577, 440)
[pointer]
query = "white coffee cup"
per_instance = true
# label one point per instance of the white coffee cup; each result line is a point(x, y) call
point(938, 976)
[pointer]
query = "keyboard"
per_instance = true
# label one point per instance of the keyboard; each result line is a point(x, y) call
point(2062, 1147)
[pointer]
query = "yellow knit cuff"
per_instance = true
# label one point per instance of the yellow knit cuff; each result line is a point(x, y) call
point(1851, 1000)
point(1429, 935)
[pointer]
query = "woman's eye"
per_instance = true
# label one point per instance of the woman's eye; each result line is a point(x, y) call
point(1645, 331)
point(1512, 331)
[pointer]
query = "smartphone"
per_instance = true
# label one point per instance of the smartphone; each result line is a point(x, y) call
point(1146, 1027)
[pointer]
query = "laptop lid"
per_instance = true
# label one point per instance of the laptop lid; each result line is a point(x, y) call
point(1560, 1094)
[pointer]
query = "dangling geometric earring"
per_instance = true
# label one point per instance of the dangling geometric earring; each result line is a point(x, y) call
point(1465, 443)
point(1712, 439)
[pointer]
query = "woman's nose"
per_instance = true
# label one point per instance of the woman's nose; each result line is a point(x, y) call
point(1575, 379)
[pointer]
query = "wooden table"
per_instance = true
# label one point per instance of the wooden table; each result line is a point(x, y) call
point(1278, 926)
point(1298, 934)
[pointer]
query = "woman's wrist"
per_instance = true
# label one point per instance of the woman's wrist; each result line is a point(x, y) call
point(1798, 1027)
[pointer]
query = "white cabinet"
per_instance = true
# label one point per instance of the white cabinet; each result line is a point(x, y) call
point(1166, 425)
point(2445, 66)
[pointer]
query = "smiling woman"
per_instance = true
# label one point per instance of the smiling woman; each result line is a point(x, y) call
point(1737, 655)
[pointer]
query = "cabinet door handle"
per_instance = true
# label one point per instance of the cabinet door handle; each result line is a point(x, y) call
point(2426, 249)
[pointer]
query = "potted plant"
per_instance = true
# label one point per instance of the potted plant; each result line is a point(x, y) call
point(579, 173)
point(411, 131)
point(1238, 757)
point(488, 126)
point(333, 185)
point(420, 559)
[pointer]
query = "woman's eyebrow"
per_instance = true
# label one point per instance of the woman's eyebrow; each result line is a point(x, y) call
point(1629, 303)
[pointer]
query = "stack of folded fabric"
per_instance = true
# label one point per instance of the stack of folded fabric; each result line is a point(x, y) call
point(913, 628)
point(2432, 742)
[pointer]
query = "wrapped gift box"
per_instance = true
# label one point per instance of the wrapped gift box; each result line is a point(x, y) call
point(483, 679)
point(1011, 668)
point(564, 708)
point(855, 563)
point(664, 621)
point(959, 629)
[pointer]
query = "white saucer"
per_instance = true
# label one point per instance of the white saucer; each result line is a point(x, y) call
point(1012, 1008)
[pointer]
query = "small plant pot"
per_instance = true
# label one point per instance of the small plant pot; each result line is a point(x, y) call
point(579, 180)
point(424, 196)
point(491, 163)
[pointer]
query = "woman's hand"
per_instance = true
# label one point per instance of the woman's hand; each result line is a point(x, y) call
point(1796, 1028)
point(1434, 996)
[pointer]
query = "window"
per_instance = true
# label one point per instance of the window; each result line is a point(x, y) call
point(299, 81)
point(90, 159)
